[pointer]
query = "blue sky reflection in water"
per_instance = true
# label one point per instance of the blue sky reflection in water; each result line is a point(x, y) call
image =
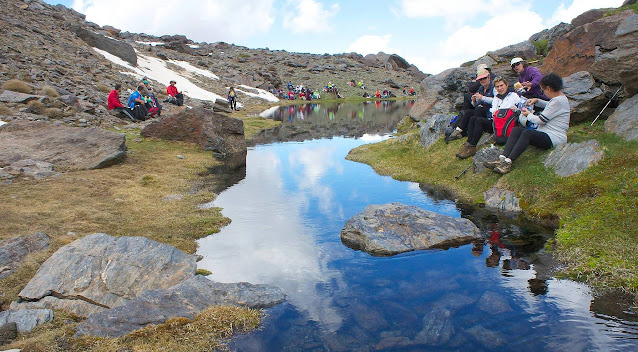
point(286, 217)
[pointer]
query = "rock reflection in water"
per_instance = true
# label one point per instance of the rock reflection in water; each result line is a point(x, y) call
point(311, 121)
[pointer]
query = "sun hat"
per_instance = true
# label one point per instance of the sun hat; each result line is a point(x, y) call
point(515, 61)
point(482, 73)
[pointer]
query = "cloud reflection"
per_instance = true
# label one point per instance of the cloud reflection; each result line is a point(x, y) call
point(268, 242)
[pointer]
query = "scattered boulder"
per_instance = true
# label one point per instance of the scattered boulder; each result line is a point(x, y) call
point(101, 271)
point(397, 62)
point(524, 49)
point(186, 299)
point(573, 158)
point(623, 121)
point(501, 199)
point(486, 154)
point(394, 228)
point(433, 128)
point(221, 134)
point(26, 319)
point(588, 17)
point(28, 168)
point(14, 250)
point(493, 303)
point(585, 99)
point(551, 34)
point(68, 148)
point(490, 339)
point(9, 96)
point(120, 49)
point(8, 332)
point(437, 327)
point(439, 92)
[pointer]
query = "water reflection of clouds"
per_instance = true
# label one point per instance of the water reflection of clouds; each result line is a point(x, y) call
point(313, 164)
point(268, 242)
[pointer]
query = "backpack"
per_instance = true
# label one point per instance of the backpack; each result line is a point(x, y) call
point(503, 123)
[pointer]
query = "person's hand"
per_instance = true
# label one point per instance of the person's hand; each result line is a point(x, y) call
point(531, 101)
point(525, 111)
point(527, 85)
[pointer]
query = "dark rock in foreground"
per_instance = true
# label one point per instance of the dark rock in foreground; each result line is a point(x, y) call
point(14, 250)
point(67, 148)
point(184, 300)
point(394, 228)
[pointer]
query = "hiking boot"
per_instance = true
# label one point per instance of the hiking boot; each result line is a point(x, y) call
point(456, 134)
point(494, 163)
point(467, 150)
point(504, 167)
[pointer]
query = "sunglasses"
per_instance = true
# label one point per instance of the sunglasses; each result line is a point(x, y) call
point(484, 78)
point(516, 64)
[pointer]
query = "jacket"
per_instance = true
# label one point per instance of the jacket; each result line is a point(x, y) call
point(114, 100)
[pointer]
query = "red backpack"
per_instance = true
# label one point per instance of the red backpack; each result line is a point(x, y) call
point(503, 123)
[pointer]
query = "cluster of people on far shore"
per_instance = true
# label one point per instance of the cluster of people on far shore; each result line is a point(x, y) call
point(534, 111)
point(142, 103)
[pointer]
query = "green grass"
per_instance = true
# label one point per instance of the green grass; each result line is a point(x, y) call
point(633, 7)
point(597, 239)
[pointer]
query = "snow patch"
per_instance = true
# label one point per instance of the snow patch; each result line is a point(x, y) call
point(150, 43)
point(196, 70)
point(257, 93)
point(193, 46)
point(2, 123)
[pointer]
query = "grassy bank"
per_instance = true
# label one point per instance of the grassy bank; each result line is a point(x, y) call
point(597, 210)
point(123, 200)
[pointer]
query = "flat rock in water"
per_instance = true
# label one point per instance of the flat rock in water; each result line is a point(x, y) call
point(67, 148)
point(101, 271)
point(184, 300)
point(394, 228)
point(437, 327)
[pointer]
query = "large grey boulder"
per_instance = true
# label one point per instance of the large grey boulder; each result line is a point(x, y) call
point(221, 134)
point(437, 327)
point(120, 49)
point(26, 319)
point(573, 158)
point(551, 34)
point(394, 228)
point(183, 300)
point(623, 121)
point(101, 271)
point(585, 99)
point(486, 154)
point(67, 148)
point(433, 128)
point(440, 92)
point(14, 250)
point(502, 199)
point(524, 49)
point(28, 168)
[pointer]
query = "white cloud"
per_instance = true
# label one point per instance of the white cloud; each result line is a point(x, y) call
point(372, 44)
point(309, 16)
point(450, 8)
point(567, 13)
point(204, 20)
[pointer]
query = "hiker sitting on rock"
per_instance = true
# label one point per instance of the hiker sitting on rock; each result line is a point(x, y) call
point(552, 123)
point(136, 103)
point(115, 104)
point(529, 77)
point(174, 96)
point(479, 104)
point(505, 98)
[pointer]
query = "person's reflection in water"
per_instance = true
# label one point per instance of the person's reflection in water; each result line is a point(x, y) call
point(496, 246)
point(477, 248)
point(537, 286)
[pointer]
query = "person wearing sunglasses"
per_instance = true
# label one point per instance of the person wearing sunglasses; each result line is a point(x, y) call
point(529, 77)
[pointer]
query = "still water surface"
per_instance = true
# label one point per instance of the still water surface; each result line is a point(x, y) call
point(494, 294)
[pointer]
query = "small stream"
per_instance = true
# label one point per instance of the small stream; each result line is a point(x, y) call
point(498, 293)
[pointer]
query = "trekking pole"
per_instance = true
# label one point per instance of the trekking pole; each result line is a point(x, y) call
point(605, 107)
point(463, 172)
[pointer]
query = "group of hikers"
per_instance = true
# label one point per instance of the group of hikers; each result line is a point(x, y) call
point(535, 111)
point(142, 103)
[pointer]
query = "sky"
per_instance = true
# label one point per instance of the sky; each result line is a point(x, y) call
point(433, 35)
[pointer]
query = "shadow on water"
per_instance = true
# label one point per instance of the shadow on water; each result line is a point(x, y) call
point(497, 293)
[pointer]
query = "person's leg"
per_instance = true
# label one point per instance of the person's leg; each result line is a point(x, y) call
point(480, 124)
point(536, 138)
point(511, 140)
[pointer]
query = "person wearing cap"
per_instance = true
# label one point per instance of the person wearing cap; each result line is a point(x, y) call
point(480, 103)
point(173, 95)
point(529, 77)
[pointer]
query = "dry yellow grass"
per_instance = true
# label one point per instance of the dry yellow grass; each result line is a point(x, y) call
point(17, 85)
point(50, 91)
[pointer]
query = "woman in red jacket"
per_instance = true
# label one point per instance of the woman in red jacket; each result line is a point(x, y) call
point(115, 104)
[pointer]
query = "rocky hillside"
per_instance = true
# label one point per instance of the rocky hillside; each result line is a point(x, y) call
point(595, 54)
point(51, 49)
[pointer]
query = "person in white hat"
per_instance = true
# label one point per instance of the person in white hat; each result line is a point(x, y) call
point(529, 77)
point(480, 103)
